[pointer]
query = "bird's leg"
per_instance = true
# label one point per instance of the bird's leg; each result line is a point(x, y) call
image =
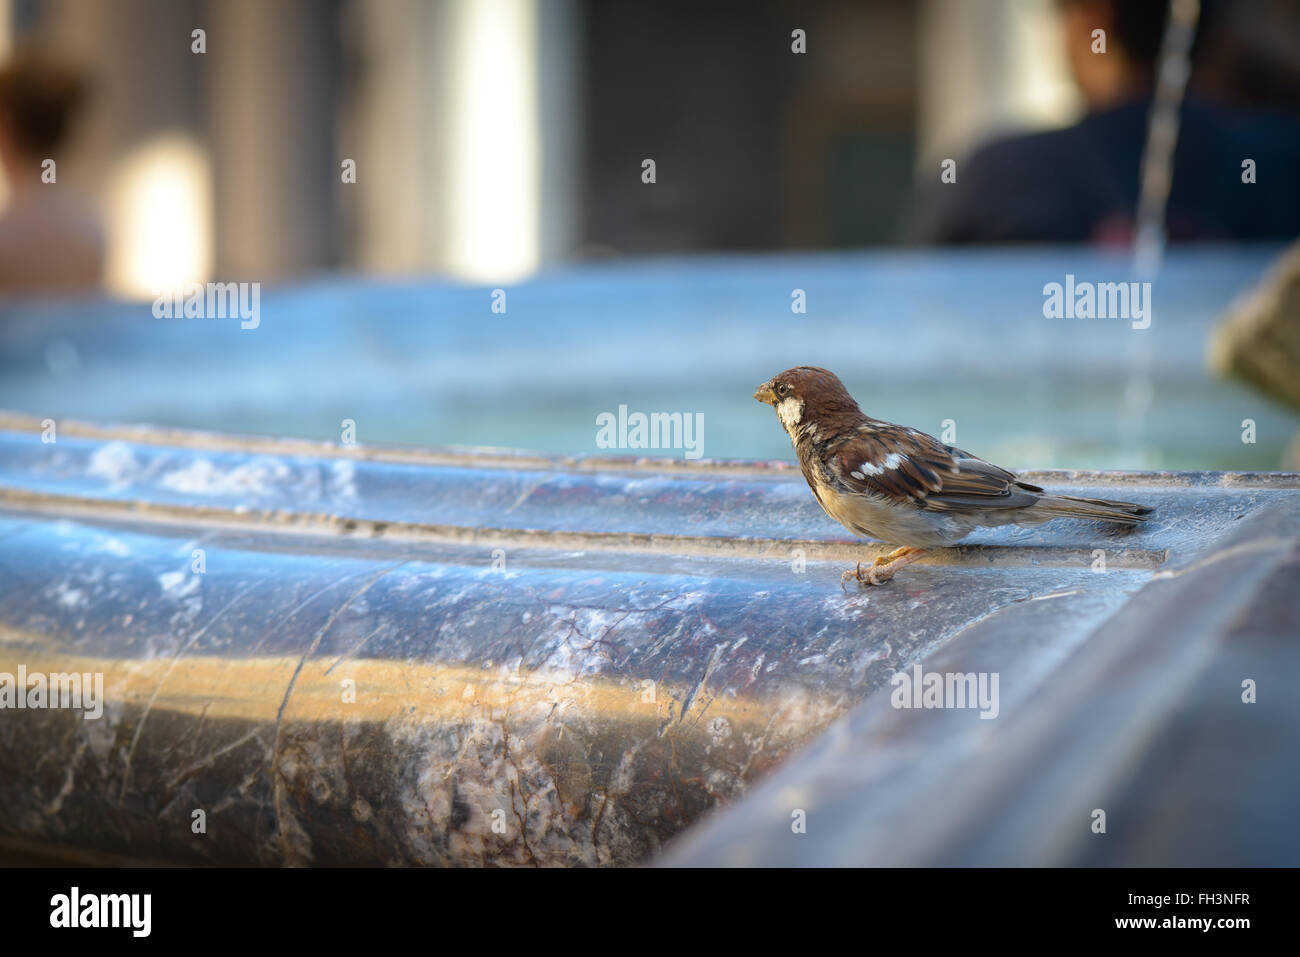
point(896, 553)
point(886, 565)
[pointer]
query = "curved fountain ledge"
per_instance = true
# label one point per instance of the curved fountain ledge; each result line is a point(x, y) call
point(347, 655)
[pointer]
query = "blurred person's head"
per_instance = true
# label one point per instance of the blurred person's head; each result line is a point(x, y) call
point(1246, 52)
point(51, 239)
point(39, 98)
point(1134, 30)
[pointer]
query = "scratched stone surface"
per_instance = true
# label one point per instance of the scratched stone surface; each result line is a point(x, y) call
point(1176, 720)
point(394, 656)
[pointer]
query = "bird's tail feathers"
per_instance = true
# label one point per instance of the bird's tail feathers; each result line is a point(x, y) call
point(1097, 509)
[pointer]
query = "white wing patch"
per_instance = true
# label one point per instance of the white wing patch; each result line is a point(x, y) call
point(892, 461)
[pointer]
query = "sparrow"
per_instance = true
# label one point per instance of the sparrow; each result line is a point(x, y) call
point(901, 486)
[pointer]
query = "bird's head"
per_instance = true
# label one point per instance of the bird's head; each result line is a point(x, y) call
point(805, 397)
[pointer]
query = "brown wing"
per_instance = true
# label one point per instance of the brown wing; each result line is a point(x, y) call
point(907, 466)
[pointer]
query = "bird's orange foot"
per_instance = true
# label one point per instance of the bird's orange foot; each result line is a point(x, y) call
point(884, 567)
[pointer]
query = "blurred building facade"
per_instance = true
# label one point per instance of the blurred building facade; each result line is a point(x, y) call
point(491, 138)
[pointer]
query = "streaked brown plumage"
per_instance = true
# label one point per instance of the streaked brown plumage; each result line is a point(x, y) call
point(902, 486)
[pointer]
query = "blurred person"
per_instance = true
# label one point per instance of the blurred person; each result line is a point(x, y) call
point(51, 239)
point(1081, 184)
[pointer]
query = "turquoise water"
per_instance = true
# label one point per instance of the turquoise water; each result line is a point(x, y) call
point(920, 338)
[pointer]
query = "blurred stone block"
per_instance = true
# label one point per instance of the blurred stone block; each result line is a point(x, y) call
point(1259, 339)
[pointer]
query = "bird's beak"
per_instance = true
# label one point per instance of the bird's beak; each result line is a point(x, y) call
point(765, 394)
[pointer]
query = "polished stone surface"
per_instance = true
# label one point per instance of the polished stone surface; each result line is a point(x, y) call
point(1166, 738)
point(555, 661)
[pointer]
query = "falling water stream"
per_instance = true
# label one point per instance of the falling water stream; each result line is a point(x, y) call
point(1157, 175)
point(1173, 68)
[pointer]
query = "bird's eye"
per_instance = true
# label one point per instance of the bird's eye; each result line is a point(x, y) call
point(782, 390)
